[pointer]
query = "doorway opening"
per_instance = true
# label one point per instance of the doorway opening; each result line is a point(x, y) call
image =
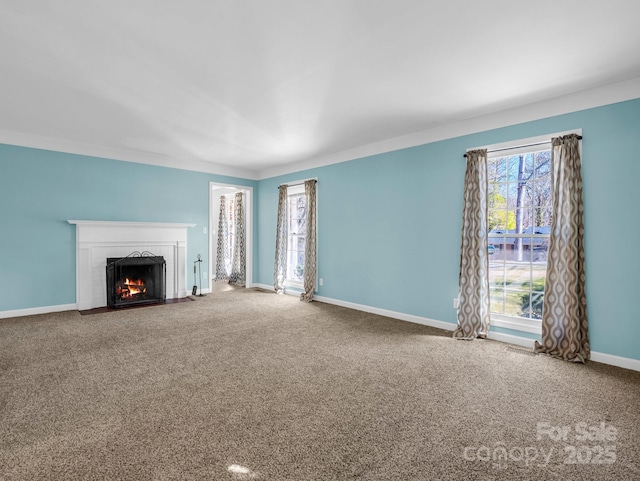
point(225, 252)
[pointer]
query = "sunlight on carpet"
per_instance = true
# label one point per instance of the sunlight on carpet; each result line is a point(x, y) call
point(241, 472)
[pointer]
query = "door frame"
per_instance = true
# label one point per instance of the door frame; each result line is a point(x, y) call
point(248, 217)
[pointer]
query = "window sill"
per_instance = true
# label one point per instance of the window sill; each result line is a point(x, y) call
point(533, 326)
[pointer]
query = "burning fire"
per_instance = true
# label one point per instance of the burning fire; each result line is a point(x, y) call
point(132, 288)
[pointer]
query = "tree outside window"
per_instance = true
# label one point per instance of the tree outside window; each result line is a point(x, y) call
point(297, 218)
point(519, 218)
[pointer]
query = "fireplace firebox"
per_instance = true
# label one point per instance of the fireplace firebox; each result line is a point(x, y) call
point(139, 278)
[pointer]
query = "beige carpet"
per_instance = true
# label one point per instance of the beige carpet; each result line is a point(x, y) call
point(244, 384)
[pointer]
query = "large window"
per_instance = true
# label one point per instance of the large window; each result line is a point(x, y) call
point(519, 218)
point(297, 226)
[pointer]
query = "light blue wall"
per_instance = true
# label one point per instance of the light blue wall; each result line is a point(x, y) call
point(40, 190)
point(389, 225)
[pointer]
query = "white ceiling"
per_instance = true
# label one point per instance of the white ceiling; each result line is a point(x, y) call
point(252, 87)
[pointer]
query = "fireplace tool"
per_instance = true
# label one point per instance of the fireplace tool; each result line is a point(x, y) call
point(199, 261)
point(194, 291)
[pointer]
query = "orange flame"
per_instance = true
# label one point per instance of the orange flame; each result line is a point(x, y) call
point(132, 288)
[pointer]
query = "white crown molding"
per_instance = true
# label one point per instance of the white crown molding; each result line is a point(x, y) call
point(586, 99)
point(125, 155)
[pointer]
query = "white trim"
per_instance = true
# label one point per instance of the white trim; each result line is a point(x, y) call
point(146, 225)
point(586, 99)
point(518, 146)
point(511, 339)
point(125, 155)
point(619, 361)
point(288, 291)
point(624, 362)
point(297, 187)
point(387, 313)
point(98, 240)
point(32, 311)
point(517, 323)
point(248, 229)
point(510, 148)
point(296, 183)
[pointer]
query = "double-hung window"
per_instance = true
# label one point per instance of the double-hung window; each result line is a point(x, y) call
point(519, 226)
point(297, 228)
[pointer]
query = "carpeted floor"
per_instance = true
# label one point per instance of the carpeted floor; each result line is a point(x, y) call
point(244, 384)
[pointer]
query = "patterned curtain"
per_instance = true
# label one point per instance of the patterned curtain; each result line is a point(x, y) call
point(310, 242)
point(222, 249)
point(473, 307)
point(564, 316)
point(280, 268)
point(238, 268)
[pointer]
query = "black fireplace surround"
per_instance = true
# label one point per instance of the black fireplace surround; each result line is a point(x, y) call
point(139, 278)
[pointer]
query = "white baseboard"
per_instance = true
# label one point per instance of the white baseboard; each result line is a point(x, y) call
point(37, 310)
point(619, 361)
point(387, 313)
point(625, 362)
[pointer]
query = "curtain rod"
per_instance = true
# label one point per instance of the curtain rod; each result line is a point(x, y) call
point(521, 146)
point(297, 182)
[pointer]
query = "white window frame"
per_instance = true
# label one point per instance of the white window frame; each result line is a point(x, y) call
point(514, 147)
point(294, 189)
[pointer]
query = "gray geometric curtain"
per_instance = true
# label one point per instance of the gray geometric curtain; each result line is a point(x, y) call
point(280, 267)
point(310, 260)
point(222, 248)
point(564, 317)
point(473, 298)
point(238, 268)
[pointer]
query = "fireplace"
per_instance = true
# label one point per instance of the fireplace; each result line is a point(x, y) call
point(139, 278)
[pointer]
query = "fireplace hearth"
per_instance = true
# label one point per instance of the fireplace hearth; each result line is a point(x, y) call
point(139, 278)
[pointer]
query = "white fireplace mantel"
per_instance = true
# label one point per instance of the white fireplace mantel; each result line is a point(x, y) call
point(98, 240)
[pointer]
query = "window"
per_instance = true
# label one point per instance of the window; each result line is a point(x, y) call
point(519, 226)
point(297, 226)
